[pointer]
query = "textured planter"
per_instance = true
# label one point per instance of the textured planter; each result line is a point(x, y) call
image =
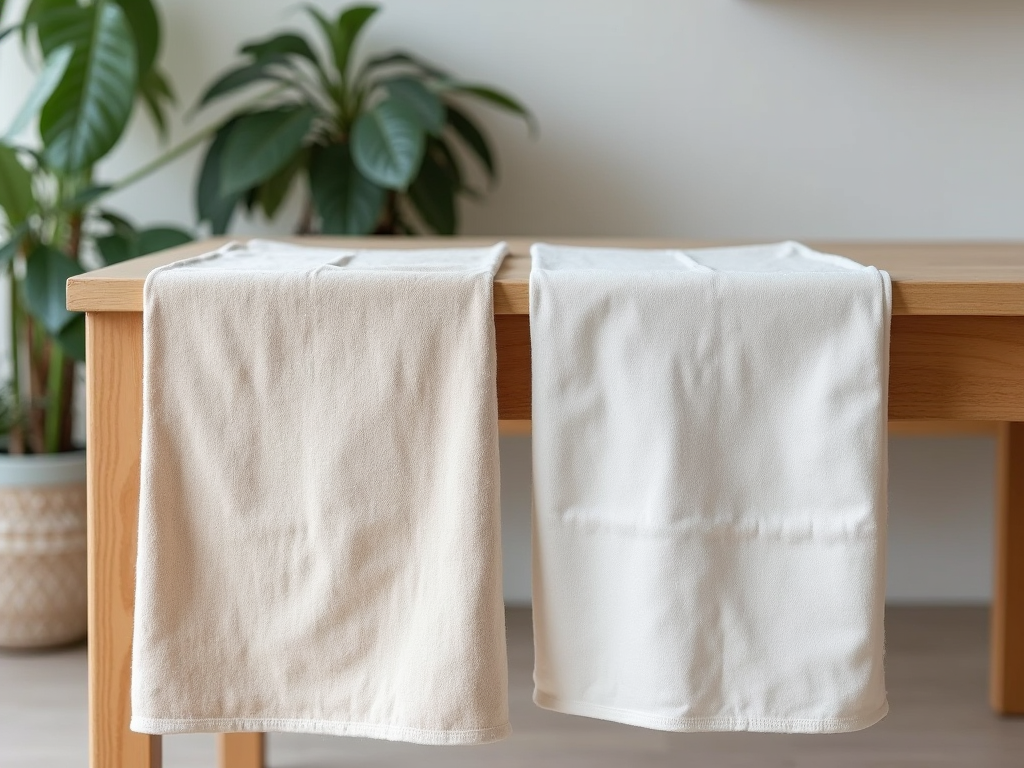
point(42, 550)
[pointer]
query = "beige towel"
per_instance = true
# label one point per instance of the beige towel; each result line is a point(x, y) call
point(319, 540)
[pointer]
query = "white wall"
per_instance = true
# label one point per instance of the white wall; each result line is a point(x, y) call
point(860, 119)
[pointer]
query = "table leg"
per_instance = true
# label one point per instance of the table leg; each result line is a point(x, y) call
point(241, 750)
point(1007, 664)
point(114, 417)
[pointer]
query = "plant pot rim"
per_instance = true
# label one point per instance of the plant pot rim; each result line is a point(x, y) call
point(42, 469)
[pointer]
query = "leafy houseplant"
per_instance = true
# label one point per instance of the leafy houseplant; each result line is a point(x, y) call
point(98, 59)
point(378, 144)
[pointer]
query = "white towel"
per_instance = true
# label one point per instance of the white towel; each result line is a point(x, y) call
point(709, 437)
point(319, 540)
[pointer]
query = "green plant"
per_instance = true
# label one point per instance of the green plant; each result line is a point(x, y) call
point(378, 144)
point(97, 60)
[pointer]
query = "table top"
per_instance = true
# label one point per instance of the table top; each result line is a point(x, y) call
point(928, 278)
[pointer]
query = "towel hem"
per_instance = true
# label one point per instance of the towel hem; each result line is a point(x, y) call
point(159, 725)
point(691, 724)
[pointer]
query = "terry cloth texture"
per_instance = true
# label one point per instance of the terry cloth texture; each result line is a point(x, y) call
point(709, 442)
point(319, 535)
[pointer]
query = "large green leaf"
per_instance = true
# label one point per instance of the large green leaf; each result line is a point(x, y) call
point(72, 338)
point(260, 144)
point(156, 91)
point(473, 137)
point(145, 26)
point(124, 243)
point(402, 59)
point(433, 194)
point(160, 239)
point(283, 44)
point(116, 248)
point(10, 249)
point(53, 70)
point(419, 99)
point(243, 76)
point(387, 144)
point(88, 111)
point(51, 20)
point(342, 33)
point(348, 203)
point(491, 95)
point(350, 24)
point(273, 191)
point(16, 197)
point(45, 285)
point(211, 205)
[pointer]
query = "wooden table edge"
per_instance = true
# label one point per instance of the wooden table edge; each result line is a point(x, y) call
point(990, 282)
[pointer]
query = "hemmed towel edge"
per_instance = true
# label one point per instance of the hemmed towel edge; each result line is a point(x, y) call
point(707, 724)
point(164, 726)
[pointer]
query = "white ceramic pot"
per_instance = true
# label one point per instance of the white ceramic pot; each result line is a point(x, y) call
point(42, 550)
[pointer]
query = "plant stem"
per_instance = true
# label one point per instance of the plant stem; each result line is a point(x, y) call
point(192, 141)
point(16, 438)
point(172, 154)
point(54, 399)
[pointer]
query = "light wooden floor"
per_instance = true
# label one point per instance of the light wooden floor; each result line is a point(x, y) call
point(936, 672)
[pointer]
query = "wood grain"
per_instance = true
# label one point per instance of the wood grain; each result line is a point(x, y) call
point(928, 279)
point(956, 368)
point(1007, 638)
point(241, 750)
point(114, 425)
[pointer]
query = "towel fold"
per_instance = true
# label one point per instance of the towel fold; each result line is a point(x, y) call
point(319, 540)
point(709, 437)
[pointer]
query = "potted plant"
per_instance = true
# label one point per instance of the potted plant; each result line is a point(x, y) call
point(379, 143)
point(97, 60)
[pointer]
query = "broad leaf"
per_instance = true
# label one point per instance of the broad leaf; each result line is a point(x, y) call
point(119, 224)
point(346, 201)
point(116, 248)
point(210, 204)
point(126, 244)
point(274, 190)
point(493, 97)
point(16, 197)
point(85, 197)
point(88, 111)
point(490, 95)
point(10, 249)
point(350, 24)
point(433, 194)
point(474, 138)
point(260, 144)
point(160, 239)
point(156, 91)
point(243, 76)
point(72, 338)
point(387, 144)
point(403, 59)
point(281, 45)
point(45, 287)
point(52, 20)
point(419, 99)
point(341, 34)
point(145, 26)
point(54, 69)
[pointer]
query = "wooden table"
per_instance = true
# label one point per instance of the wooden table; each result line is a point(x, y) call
point(957, 353)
